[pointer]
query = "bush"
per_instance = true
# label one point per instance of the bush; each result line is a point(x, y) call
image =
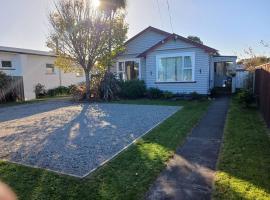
point(195, 96)
point(40, 90)
point(167, 95)
point(78, 92)
point(58, 91)
point(154, 93)
point(4, 81)
point(109, 86)
point(132, 89)
point(245, 97)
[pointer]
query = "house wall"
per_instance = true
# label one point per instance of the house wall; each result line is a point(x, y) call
point(16, 69)
point(33, 70)
point(202, 65)
point(139, 45)
point(143, 42)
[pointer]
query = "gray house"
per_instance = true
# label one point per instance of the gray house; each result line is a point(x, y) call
point(173, 63)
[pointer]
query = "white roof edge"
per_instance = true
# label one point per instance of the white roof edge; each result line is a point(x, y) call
point(26, 51)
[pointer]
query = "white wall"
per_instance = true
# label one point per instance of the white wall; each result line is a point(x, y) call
point(15, 60)
point(202, 63)
point(33, 70)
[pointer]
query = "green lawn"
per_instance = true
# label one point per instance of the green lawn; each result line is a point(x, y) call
point(128, 176)
point(244, 164)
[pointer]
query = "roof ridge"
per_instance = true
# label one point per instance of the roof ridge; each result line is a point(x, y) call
point(206, 48)
point(145, 30)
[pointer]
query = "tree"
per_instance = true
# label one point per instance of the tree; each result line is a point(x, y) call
point(111, 8)
point(253, 60)
point(80, 35)
point(195, 39)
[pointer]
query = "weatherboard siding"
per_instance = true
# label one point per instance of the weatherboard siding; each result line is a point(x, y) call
point(143, 42)
point(202, 63)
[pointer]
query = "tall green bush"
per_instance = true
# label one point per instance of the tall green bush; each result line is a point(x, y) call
point(132, 89)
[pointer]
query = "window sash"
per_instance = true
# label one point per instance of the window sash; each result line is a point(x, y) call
point(177, 68)
point(128, 68)
point(6, 64)
point(49, 69)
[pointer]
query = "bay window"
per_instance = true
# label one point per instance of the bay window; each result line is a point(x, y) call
point(175, 67)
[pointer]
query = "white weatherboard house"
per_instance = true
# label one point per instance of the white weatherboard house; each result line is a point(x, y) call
point(34, 67)
point(173, 63)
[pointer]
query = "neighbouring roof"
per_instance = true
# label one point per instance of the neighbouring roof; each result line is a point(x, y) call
point(175, 36)
point(26, 51)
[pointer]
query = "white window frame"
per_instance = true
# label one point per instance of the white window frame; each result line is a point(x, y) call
point(173, 55)
point(7, 68)
point(138, 60)
point(53, 67)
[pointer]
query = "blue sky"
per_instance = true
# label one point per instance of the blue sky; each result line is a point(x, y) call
point(227, 25)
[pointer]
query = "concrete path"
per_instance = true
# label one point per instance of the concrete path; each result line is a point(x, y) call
point(190, 174)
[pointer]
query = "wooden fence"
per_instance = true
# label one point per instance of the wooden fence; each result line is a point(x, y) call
point(14, 90)
point(262, 90)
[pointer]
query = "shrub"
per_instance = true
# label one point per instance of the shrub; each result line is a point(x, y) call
point(40, 90)
point(245, 97)
point(58, 91)
point(154, 93)
point(132, 89)
point(4, 81)
point(195, 96)
point(109, 86)
point(78, 92)
point(167, 95)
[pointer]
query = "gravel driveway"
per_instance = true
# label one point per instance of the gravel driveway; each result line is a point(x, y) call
point(73, 138)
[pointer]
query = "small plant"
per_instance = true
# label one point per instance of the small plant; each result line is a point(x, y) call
point(58, 91)
point(40, 90)
point(167, 95)
point(78, 92)
point(245, 97)
point(132, 89)
point(109, 86)
point(195, 96)
point(154, 93)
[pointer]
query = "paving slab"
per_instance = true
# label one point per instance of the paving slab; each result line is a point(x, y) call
point(72, 138)
point(189, 175)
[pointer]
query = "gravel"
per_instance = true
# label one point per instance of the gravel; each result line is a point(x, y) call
point(71, 138)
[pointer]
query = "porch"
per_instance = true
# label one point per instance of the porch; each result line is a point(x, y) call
point(222, 73)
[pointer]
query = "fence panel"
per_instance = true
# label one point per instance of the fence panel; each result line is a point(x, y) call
point(14, 90)
point(262, 90)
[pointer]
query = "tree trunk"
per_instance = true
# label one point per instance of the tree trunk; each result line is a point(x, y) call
point(87, 84)
point(110, 43)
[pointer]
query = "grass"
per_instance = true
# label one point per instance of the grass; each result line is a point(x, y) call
point(128, 176)
point(244, 164)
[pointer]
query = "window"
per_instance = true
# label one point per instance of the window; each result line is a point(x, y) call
point(49, 69)
point(175, 68)
point(7, 64)
point(128, 70)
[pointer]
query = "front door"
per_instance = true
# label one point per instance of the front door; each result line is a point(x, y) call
point(128, 69)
